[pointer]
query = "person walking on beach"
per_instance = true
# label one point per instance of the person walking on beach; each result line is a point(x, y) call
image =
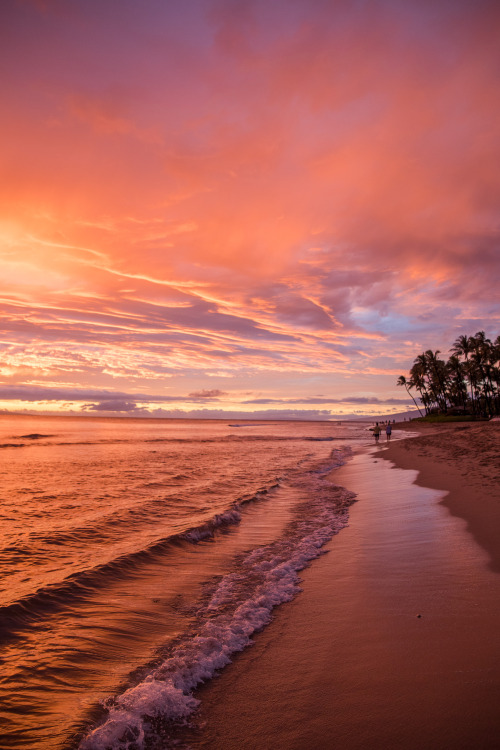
point(376, 432)
point(388, 431)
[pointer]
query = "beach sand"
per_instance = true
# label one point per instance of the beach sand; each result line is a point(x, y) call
point(394, 641)
point(463, 460)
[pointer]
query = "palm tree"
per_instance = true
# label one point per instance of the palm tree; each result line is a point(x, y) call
point(475, 362)
point(417, 380)
point(494, 361)
point(480, 356)
point(436, 368)
point(463, 347)
point(402, 381)
point(457, 388)
point(423, 373)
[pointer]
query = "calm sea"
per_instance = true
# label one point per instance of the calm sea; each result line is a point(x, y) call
point(136, 556)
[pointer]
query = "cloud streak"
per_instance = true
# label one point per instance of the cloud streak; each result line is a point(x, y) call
point(281, 198)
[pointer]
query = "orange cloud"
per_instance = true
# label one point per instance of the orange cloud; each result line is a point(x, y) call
point(235, 190)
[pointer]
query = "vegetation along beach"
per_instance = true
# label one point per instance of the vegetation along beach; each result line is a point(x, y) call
point(467, 383)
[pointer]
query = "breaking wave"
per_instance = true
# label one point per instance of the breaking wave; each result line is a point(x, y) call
point(238, 606)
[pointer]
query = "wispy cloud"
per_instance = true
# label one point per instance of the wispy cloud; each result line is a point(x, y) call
point(205, 394)
point(284, 198)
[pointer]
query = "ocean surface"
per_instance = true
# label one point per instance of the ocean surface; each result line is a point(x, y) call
point(138, 556)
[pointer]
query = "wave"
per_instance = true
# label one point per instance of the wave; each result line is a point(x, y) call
point(123, 521)
point(322, 438)
point(77, 586)
point(173, 440)
point(34, 436)
point(243, 439)
point(240, 604)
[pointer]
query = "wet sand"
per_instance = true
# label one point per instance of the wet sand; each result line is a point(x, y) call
point(463, 460)
point(394, 641)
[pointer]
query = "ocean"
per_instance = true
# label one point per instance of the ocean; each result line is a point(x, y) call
point(138, 556)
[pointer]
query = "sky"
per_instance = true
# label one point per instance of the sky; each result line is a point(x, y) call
point(243, 207)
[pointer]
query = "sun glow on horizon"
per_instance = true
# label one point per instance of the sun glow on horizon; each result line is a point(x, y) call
point(273, 199)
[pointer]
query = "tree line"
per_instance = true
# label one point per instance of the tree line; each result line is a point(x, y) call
point(467, 383)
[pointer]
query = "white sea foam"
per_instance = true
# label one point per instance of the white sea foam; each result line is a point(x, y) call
point(206, 531)
point(240, 605)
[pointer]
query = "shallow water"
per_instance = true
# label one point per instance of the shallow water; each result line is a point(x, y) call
point(392, 644)
point(138, 555)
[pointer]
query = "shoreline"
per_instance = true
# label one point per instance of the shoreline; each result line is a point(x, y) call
point(463, 460)
point(393, 641)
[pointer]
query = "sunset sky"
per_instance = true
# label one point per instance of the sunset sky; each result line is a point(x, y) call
point(221, 207)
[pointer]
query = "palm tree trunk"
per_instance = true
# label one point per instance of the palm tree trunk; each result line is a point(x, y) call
point(411, 394)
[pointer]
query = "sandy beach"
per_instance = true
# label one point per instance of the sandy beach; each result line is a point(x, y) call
point(393, 642)
point(463, 460)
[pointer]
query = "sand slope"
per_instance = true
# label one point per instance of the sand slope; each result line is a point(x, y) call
point(464, 460)
point(349, 663)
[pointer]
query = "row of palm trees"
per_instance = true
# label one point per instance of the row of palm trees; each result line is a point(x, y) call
point(467, 383)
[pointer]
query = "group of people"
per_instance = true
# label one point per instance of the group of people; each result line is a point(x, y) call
point(378, 429)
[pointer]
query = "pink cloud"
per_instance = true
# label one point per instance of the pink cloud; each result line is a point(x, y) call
point(208, 394)
point(234, 189)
